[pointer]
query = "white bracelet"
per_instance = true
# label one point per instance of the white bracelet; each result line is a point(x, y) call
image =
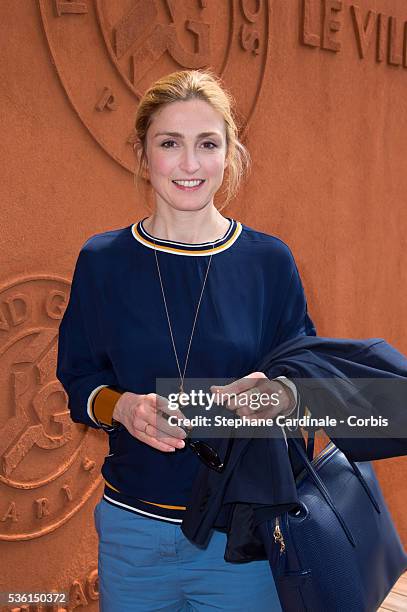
point(289, 383)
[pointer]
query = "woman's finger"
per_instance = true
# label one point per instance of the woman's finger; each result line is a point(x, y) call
point(155, 435)
point(168, 428)
point(161, 404)
point(237, 386)
point(158, 444)
point(161, 413)
point(265, 407)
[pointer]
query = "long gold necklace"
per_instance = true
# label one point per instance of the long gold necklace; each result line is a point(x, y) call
point(181, 376)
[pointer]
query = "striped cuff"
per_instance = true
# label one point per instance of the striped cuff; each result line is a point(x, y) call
point(101, 404)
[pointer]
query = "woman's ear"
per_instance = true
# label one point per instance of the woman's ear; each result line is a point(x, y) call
point(138, 151)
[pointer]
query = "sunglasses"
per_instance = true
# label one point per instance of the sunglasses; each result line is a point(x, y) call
point(207, 454)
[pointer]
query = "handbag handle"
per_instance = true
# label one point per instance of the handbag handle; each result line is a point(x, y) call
point(324, 491)
point(310, 456)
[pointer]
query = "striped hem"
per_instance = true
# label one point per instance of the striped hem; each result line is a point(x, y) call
point(158, 512)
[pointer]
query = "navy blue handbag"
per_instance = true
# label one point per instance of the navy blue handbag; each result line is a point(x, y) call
point(339, 549)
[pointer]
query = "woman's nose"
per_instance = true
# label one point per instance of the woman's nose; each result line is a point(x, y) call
point(189, 160)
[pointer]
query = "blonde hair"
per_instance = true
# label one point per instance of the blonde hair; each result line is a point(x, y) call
point(185, 85)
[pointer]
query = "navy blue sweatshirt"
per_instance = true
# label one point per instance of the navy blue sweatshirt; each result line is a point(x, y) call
point(114, 335)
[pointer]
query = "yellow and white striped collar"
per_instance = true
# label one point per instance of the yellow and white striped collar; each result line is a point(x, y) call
point(183, 248)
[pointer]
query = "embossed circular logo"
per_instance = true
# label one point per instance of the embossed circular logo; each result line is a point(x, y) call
point(107, 53)
point(46, 471)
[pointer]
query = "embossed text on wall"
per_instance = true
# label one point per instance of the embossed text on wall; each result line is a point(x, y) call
point(377, 35)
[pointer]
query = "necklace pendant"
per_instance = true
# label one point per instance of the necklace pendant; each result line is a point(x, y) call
point(181, 389)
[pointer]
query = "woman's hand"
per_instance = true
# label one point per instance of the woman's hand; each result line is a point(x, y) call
point(143, 417)
point(273, 397)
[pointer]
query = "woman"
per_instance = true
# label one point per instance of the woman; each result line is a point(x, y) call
point(185, 292)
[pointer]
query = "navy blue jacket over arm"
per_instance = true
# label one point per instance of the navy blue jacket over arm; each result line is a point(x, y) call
point(259, 482)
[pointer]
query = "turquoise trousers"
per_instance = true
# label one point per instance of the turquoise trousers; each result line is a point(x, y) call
point(149, 565)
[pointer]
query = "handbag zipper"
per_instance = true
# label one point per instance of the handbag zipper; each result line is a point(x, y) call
point(278, 536)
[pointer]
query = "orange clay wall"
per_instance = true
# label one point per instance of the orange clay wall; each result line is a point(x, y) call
point(321, 88)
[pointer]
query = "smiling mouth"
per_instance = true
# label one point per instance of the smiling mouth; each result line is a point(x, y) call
point(189, 185)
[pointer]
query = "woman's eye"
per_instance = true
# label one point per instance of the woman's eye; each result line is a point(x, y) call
point(210, 143)
point(167, 142)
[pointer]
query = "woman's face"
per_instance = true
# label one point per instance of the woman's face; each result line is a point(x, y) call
point(186, 141)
